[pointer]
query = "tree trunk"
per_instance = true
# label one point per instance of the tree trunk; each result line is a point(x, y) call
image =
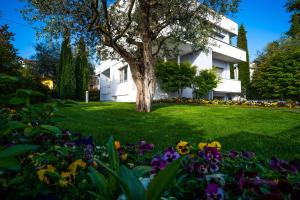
point(144, 78)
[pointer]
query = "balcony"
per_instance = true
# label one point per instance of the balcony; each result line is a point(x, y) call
point(226, 52)
point(229, 86)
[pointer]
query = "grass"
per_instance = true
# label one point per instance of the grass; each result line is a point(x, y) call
point(265, 131)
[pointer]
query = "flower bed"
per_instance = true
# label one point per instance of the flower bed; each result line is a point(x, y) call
point(68, 166)
point(39, 161)
point(250, 103)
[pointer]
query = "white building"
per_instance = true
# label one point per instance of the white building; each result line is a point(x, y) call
point(116, 83)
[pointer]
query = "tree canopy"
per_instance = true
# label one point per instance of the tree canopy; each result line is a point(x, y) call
point(174, 77)
point(138, 31)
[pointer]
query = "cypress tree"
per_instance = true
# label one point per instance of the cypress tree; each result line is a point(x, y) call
point(244, 73)
point(81, 70)
point(67, 83)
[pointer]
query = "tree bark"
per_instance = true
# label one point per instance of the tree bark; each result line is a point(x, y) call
point(144, 78)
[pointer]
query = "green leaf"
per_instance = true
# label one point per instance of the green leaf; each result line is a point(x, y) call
point(28, 92)
point(17, 101)
point(100, 183)
point(97, 196)
point(112, 154)
point(17, 150)
point(9, 163)
point(51, 129)
point(134, 188)
point(13, 125)
point(141, 171)
point(4, 78)
point(162, 180)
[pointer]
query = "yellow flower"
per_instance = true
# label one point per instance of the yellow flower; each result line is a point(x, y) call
point(75, 164)
point(63, 183)
point(124, 156)
point(183, 147)
point(42, 173)
point(202, 145)
point(117, 145)
point(215, 144)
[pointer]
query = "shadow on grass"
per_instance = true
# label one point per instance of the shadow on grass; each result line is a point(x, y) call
point(127, 125)
point(285, 145)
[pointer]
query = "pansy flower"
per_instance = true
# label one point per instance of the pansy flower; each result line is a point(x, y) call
point(43, 172)
point(214, 192)
point(170, 155)
point(74, 165)
point(158, 164)
point(183, 147)
point(144, 147)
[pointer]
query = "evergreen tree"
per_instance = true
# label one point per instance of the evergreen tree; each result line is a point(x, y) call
point(293, 6)
point(244, 73)
point(66, 72)
point(81, 70)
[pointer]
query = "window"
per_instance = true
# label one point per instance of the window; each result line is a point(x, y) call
point(123, 74)
point(219, 71)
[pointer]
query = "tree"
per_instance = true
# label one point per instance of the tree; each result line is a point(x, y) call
point(174, 77)
point(293, 6)
point(244, 72)
point(81, 70)
point(47, 60)
point(206, 81)
point(66, 71)
point(277, 75)
point(138, 31)
point(9, 61)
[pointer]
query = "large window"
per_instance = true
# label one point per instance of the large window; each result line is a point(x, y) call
point(123, 74)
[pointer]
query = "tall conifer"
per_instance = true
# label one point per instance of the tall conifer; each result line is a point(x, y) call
point(67, 82)
point(81, 70)
point(244, 73)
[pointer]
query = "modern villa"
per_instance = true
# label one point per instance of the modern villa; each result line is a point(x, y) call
point(116, 83)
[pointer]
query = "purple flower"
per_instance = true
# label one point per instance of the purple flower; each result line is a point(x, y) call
point(158, 164)
point(213, 192)
point(233, 154)
point(170, 155)
point(88, 152)
point(85, 141)
point(248, 155)
point(214, 167)
point(145, 147)
point(212, 154)
point(281, 166)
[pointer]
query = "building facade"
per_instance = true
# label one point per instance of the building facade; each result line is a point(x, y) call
point(116, 83)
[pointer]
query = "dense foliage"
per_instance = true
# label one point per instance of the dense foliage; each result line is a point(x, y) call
point(81, 70)
point(47, 60)
point(277, 74)
point(174, 77)
point(66, 72)
point(205, 82)
point(244, 73)
point(9, 61)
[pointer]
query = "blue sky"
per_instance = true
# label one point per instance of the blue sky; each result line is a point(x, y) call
point(265, 21)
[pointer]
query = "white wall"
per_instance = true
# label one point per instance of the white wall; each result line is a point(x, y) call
point(225, 66)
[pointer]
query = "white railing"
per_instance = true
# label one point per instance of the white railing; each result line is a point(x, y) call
point(229, 85)
point(227, 50)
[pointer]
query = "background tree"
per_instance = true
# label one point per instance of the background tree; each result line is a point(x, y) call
point(293, 6)
point(278, 71)
point(47, 60)
point(82, 72)
point(173, 77)
point(9, 61)
point(138, 31)
point(244, 72)
point(205, 82)
point(66, 71)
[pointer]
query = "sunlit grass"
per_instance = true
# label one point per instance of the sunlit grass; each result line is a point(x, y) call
point(265, 131)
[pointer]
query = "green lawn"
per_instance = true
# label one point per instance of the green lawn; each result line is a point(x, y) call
point(265, 131)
